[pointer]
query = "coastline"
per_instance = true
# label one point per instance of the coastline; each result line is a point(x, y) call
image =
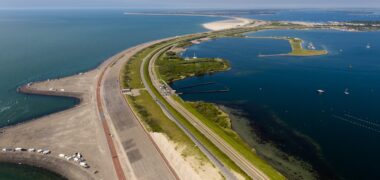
point(229, 23)
point(233, 22)
point(49, 162)
point(226, 24)
point(291, 166)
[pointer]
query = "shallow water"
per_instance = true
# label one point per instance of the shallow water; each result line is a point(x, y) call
point(41, 44)
point(338, 134)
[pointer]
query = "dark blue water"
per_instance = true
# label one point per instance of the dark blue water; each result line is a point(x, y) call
point(338, 134)
point(42, 44)
point(318, 15)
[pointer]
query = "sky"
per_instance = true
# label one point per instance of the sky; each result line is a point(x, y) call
point(189, 4)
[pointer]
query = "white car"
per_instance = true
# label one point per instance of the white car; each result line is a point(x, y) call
point(40, 150)
point(46, 152)
point(61, 155)
point(84, 164)
point(31, 150)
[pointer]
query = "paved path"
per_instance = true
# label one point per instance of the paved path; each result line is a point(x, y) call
point(144, 157)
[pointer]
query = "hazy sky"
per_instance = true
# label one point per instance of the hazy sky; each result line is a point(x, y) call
point(186, 4)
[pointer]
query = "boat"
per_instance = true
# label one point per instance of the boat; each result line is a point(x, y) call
point(320, 91)
point(368, 46)
point(346, 92)
point(194, 57)
point(311, 46)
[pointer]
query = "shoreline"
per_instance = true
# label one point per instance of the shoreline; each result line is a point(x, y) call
point(80, 96)
point(231, 23)
point(228, 23)
point(49, 162)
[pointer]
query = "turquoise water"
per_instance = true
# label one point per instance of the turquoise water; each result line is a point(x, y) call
point(42, 44)
point(337, 134)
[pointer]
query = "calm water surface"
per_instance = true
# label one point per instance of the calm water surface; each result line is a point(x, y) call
point(338, 134)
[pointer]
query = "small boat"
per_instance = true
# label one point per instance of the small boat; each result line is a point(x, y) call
point(368, 46)
point(320, 91)
point(346, 92)
point(311, 46)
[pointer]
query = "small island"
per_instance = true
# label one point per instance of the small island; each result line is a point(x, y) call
point(297, 48)
point(172, 67)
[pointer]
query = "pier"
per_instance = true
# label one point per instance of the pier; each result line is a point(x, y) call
point(206, 91)
point(196, 85)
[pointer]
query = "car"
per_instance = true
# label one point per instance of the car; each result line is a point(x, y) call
point(7, 150)
point(84, 164)
point(46, 152)
point(31, 150)
point(18, 149)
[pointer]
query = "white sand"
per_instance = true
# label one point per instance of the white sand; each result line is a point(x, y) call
point(187, 168)
point(227, 24)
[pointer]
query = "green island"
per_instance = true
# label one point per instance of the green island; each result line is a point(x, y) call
point(298, 50)
point(173, 67)
point(296, 46)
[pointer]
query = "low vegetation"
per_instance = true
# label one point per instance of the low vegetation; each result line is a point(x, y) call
point(172, 67)
point(149, 112)
point(298, 50)
point(213, 113)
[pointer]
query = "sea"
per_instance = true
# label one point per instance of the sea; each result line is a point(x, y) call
point(273, 100)
point(336, 133)
point(38, 45)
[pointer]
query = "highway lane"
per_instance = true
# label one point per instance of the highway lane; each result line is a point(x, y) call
point(144, 157)
point(242, 162)
point(225, 171)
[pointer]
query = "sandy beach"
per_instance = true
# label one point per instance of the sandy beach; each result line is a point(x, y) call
point(227, 24)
